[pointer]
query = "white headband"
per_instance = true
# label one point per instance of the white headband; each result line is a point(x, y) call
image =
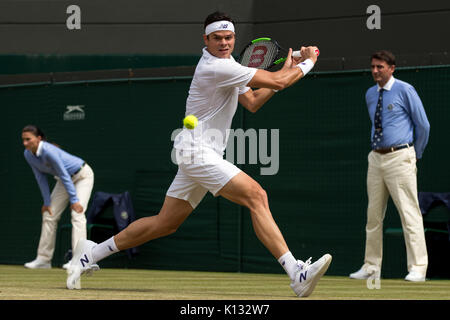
point(219, 26)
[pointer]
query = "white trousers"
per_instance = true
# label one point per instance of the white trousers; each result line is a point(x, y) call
point(394, 174)
point(83, 182)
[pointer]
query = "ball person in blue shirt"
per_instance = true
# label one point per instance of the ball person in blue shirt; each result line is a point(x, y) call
point(75, 181)
point(399, 135)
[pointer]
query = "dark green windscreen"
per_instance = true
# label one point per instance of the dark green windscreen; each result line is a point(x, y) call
point(318, 197)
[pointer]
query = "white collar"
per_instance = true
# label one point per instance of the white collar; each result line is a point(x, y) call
point(39, 149)
point(207, 54)
point(388, 85)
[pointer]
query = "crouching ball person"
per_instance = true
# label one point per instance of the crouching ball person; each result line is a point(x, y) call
point(219, 83)
point(75, 180)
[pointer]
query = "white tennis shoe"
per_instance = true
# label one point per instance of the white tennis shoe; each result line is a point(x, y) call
point(309, 274)
point(415, 277)
point(366, 273)
point(81, 263)
point(38, 264)
point(65, 266)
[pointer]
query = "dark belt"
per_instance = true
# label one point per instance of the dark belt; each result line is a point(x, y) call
point(392, 149)
point(76, 172)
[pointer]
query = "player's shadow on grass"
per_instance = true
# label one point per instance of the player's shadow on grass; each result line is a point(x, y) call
point(114, 289)
point(156, 291)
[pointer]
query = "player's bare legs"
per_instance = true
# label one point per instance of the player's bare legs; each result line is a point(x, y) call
point(172, 214)
point(242, 190)
point(245, 191)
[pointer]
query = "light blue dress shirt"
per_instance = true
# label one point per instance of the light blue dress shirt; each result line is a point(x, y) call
point(403, 117)
point(50, 159)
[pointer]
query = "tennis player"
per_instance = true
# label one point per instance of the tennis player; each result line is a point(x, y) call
point(219, 83)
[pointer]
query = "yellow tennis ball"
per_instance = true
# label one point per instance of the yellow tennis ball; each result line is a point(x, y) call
point(190, 121)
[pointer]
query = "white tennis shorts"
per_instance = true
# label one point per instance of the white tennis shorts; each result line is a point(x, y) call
point(199, 173)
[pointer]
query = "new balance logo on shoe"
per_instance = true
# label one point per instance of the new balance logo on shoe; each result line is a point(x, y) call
point(85, 260)
point(302, 276)
point(309, 274)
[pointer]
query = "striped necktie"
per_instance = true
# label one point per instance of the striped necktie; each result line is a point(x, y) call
point(378, 132)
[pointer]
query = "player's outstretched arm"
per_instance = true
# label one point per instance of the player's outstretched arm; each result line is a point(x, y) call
point(286, 76)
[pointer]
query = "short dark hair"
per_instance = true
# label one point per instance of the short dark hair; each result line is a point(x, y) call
point(217, 16)
point(36, 131)
point(384, 55)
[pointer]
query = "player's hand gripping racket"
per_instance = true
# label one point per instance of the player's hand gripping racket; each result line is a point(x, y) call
point(264, 53)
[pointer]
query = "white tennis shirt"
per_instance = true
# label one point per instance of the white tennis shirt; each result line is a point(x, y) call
point(213, 99)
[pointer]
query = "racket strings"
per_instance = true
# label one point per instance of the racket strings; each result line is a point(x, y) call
point(260, 55)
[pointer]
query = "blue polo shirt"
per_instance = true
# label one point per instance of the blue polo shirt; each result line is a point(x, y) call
point(50, 159)
point(403, 117)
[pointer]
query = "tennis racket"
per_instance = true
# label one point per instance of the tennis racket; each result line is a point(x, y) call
point(264, 53)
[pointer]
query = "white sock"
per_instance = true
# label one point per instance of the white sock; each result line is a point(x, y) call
point(104, 249)
point(289, 264)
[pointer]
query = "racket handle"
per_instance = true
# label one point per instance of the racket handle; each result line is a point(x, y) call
point(296, 54)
